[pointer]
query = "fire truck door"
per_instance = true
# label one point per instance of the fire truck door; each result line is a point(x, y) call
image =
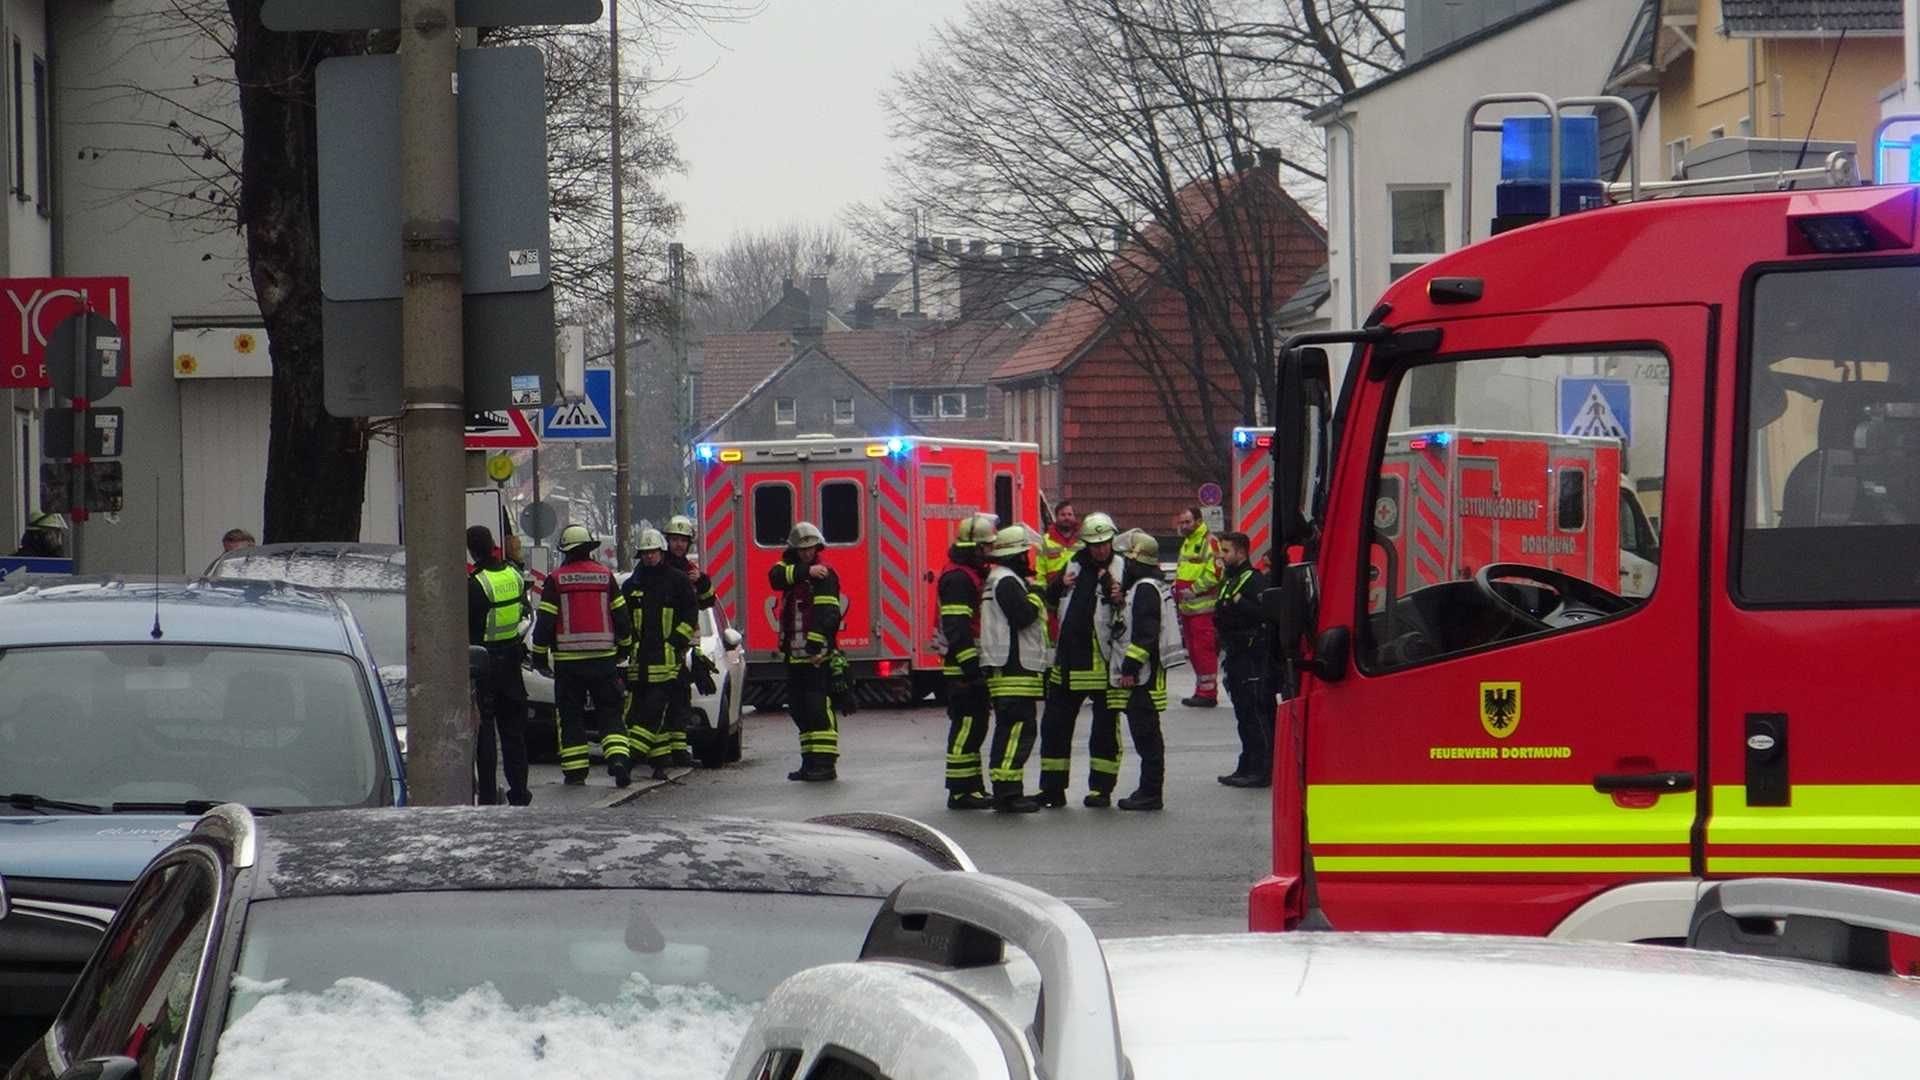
point(1495, 752)
point(1815, 615)
point(839, 500)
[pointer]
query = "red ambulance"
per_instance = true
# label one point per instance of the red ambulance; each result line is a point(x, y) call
point(888, 507)
point(1533, 750)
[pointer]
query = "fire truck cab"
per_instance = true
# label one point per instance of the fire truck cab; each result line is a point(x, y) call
point(888, 507)
point(1534, 748)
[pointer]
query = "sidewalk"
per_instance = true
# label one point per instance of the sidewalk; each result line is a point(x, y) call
point(598, 792)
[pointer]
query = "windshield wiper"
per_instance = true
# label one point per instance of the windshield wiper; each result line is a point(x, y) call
point(186, 806)
point(20, 800)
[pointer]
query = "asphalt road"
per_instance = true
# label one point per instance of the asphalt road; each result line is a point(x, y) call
point(1184, 869)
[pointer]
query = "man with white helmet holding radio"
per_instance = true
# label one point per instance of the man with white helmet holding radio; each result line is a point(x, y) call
point(701, 670)
point(1079, 671)
point(809, 634)
point(663, 607)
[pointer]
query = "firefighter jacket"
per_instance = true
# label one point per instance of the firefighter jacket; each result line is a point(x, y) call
point(1055, 553)
point(1013, 636)
point(1077, 658)
point(1238, 621)
point(959, 594)
point(662, 604)
point(702, 584)
point(809, 610)
point(583, 615)
point(496, 602)
point(1133, 631)
point(1196, 582)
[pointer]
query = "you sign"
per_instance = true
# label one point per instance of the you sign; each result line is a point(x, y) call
point(31, 307)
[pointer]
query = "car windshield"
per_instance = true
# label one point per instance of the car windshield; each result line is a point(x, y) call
point(563, 983)
point(167, 723)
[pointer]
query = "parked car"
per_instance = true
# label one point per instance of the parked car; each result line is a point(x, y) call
point(551, 943)
point(127, 708)
point(942, 994)
point(714, 731)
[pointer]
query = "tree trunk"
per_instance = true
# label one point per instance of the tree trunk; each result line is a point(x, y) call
point(316, 463)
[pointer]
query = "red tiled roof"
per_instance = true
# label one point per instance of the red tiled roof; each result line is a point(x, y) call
point(1083, 319)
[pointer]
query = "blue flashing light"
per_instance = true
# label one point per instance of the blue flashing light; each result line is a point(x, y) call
point(704, 452)
point(1442, 438)
point(1242, 437)
point(1526, 150)
point(1913, 160)
point(896, 445)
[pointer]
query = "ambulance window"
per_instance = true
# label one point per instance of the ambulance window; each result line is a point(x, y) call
point(1492, 462)
point(772, 514)
point(1831, 451)
point(1570, 506)
point(840, 511)
point(1003, 499)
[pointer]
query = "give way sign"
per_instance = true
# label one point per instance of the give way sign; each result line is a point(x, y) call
point(31, 307)
point(508, 429)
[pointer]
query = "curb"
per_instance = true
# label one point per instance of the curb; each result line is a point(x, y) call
point(621, 797)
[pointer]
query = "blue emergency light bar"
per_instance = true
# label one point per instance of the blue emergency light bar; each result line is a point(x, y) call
point(1242, 437)
point(1526, 165)
point(896, 445)
point(704, 452)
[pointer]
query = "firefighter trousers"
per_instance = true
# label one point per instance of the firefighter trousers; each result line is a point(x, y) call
point(575, 682)
point(967, 720)
point(502, 696)
point(1143, 726)
point(1253, 707)
point(810, 703)
point(650, 734)
point(1056, 740)
point(1013, 736)
point(1203, 652)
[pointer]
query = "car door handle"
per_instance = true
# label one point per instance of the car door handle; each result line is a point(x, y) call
point(1651, 781)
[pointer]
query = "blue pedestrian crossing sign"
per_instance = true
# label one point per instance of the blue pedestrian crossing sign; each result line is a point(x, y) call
point(1596, 408)
point(590, 419)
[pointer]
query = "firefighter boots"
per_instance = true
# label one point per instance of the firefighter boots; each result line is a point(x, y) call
point(1142, 800)
point(969, 800)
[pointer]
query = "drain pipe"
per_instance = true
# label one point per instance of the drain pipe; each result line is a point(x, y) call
point(1753, 91)
point(1353, 215)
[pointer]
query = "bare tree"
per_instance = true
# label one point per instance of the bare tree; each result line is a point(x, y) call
point(735, 284)
point(1141, 146)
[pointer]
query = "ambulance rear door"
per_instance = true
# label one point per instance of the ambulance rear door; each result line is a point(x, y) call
point(771, 500)
point(840, 501)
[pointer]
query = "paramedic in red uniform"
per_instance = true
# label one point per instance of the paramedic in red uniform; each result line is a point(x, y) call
point(579, 637)
point(968, 704)
point(809, 634)
point(1196, 588)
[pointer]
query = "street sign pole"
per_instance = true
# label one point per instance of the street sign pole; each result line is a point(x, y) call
point(440, 754)
point(622, 439)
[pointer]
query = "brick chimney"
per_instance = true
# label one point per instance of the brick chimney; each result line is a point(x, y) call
point(1270, 159)
point(819, 300)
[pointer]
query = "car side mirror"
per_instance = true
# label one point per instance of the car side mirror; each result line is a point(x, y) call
point(104, 1068)
point(479, 662)
point(730, 639)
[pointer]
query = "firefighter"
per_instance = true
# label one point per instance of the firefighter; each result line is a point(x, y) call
point(45, 538)
point(680, 533)
point(1079, 672)
point(1137, 673)
point(1013, 649)
point(496, 605)
point(958, 592)
point(1196, 588)
point(580, 635)
point(1242, 631)
point(1058, 545)
point(663, 606)
point(809, 635)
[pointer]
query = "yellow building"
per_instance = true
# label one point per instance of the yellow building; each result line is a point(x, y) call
point(1791, 70)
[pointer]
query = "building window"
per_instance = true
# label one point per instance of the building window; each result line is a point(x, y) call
point(843, 410)
point(921, 406)
point(19, 123)
point(953, 405)
point(42, 161)
point(1419, 227)
point(840, 511)
point(784, 412)
point(1716, 133)
point(1677, 158)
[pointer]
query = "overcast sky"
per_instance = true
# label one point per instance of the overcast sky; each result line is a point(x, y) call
point(785, 122)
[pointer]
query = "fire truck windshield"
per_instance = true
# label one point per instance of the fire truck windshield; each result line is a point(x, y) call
point(1515, 495)
point(1831, 444)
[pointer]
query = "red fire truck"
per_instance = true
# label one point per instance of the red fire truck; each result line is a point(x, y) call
point(888, 507)
point(1531, 751)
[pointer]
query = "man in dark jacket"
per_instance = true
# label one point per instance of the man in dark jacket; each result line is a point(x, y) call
point(1242, 631)
point(662, 604)
point(1139, 677)
point(809, 634)
point(496, 605)
point(1079, 672)
point(958, 591)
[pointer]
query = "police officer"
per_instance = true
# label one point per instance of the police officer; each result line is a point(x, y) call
point(662, 604)
point(578, 639)
point(1013, 649)
point(959, 589)
point(496, 605)
point(809, 635)
point(1243, 634)
point(1079, 672)
point(45, 538)
point(1138, 677)
point(1196, 588)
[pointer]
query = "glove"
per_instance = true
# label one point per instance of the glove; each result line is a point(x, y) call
point(702, 674)
point(542, 664)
